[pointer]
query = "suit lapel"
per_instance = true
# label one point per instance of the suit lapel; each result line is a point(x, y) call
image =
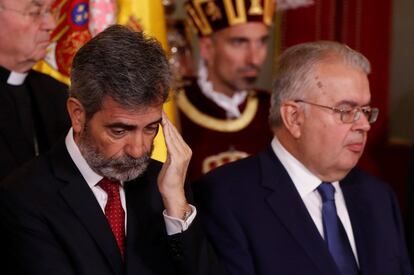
point(81, 200)
point(136, 225)
point(143, 232)
point(361, 221)
point(289, 208)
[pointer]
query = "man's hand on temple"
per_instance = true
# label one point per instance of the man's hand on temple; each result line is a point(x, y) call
point(172, 175)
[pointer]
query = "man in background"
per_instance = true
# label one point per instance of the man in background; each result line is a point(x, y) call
point(223, 118)
point(300, 206)
point(32, 114)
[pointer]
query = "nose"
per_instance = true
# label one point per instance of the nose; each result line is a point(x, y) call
point(256, 54)
point(362, 124)
point(135, 146)
point(48, 21)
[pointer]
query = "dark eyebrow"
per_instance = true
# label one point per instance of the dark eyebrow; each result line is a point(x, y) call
point(130, 127)
point(265, 37)
point(239, 38)
point(125, 126)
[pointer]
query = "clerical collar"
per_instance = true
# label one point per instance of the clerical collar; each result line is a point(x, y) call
point(229, 104)
point(16, 78)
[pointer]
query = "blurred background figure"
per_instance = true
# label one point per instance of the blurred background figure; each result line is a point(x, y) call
point(181, 58)
point(220, 111)
point(33, 114)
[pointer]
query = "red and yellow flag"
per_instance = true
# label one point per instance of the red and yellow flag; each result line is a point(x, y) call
point(80, 20)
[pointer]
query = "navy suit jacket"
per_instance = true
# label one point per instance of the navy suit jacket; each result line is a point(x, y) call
point(52, 224)
point(258, 223)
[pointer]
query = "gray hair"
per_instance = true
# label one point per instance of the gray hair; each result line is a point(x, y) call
point(122, 64)
point(295, 70)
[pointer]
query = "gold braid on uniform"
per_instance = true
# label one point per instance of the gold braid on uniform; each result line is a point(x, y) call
point(212, 123)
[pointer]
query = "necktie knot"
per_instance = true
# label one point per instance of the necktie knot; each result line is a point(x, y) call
point(327, 191)
point(110, 187)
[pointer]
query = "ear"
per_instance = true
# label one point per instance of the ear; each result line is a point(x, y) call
point(293, 117)
point(206, 48)
point(77, 114)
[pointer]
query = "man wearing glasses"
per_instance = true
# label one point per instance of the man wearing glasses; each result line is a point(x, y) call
point(300, 206)
point(33, 114)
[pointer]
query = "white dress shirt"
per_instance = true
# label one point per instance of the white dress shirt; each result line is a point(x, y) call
point(173, 225)
point(306, 184)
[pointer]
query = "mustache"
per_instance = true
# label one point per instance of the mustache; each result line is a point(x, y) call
point(126, 162)
point(124, 168)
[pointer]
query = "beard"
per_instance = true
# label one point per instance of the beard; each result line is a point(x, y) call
point(124, 168)
point(247, 82)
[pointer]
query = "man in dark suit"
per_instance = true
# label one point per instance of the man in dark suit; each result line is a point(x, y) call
point(32, 114)
point(96, 203)
point(300, 206)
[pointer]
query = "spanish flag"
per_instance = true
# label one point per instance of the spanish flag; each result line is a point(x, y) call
point(80, 20)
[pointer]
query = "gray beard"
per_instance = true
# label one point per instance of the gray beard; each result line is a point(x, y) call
point(123, 169)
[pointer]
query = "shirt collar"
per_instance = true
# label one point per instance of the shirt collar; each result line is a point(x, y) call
point(12, 78)
point(229, 104)
point(16, 79)
point(88, 174)
point(304, 181)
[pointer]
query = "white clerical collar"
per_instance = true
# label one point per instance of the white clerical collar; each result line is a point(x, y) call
point(304, 181)
point(16, 78)
point(88, 174)
point(229, 104)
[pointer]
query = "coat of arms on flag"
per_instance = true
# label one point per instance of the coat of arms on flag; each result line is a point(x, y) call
point(77, 22)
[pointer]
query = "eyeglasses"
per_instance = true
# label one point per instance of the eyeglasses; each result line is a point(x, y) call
point(36, 12)
point(350, 115)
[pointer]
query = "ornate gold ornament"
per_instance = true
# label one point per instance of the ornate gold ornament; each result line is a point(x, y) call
point(212, 123)
point(211, 15)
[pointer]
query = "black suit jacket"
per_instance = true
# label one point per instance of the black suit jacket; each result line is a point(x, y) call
point(258, 223)
point(48, 98)
point(51, 223)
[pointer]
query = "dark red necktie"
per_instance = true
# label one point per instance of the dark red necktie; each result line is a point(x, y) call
point(114, 212)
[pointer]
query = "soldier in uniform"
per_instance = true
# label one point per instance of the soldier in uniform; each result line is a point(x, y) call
point(222, 117)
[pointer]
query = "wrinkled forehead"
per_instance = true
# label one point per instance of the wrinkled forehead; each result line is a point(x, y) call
point(337, 80)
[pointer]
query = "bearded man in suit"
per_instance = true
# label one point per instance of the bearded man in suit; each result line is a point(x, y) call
point(97, 203)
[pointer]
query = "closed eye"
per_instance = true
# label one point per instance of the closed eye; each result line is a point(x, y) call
point(117, 132)
point(152, 129)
